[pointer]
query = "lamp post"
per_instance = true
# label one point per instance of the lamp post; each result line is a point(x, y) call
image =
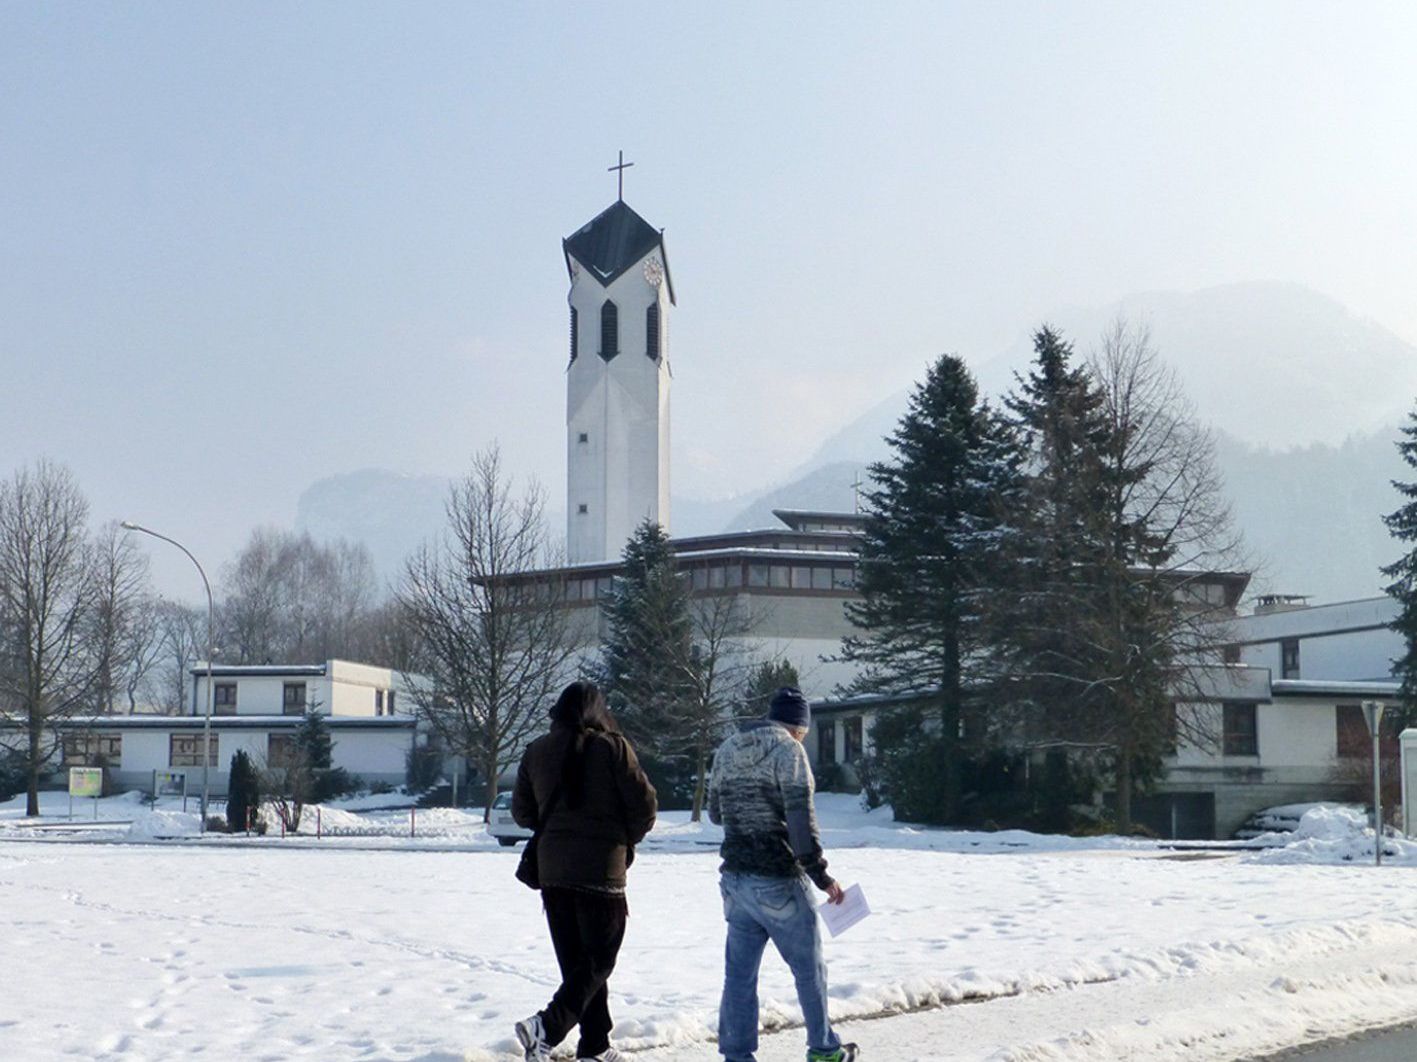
point(1373, 716)
point(211, 649)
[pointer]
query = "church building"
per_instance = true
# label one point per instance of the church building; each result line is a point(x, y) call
point(792, 581)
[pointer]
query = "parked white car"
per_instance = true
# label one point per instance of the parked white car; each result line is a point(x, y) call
point(500, 823)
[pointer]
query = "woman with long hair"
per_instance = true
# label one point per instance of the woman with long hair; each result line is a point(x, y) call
point(583, 786)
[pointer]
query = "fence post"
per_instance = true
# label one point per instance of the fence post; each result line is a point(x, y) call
point(317, 822)
point(412, 818)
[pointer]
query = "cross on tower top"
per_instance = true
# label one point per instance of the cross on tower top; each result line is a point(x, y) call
point(620, 174)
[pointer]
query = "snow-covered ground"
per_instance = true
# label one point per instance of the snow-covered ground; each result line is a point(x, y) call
point(391, 947)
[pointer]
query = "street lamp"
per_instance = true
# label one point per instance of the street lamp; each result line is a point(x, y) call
point(211, 649)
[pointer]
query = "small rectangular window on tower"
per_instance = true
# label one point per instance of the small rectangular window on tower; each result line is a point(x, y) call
point(583, 437)
point(582, 508)
point(652, 349)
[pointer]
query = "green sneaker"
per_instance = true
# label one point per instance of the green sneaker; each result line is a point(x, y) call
point(844, 1053)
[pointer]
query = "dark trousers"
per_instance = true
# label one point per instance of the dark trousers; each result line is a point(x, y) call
point(586, 931)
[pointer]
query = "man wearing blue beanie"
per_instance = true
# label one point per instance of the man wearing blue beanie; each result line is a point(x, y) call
point(761, 794)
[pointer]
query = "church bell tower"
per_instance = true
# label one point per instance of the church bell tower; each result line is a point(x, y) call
point(617, 383)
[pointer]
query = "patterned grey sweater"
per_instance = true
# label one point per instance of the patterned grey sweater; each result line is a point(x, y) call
point(761, 794)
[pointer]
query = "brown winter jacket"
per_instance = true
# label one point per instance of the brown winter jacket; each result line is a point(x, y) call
point(586, 842)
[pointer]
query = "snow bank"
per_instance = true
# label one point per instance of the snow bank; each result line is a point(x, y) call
point(1329, 834)
point(159, 823)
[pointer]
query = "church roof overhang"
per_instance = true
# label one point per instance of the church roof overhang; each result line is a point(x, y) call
point(612, 242)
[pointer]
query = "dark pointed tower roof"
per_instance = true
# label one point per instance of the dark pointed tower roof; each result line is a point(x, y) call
point(613, 241)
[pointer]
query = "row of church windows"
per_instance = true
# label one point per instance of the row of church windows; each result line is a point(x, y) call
point(610, 332)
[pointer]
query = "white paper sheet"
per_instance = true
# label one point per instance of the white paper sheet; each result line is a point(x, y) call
point(839, 917)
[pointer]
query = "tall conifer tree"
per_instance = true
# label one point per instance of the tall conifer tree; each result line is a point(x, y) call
point(1062, 552)
point(1403, 572)
point(648, 633)
point(930, 561)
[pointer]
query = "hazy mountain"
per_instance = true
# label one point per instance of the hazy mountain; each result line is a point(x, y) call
point(1313, 515)
point(1305, 396)
point(1270, 364)
point(391, 513)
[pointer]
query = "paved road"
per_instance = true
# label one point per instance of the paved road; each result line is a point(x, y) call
point(1382, 1045)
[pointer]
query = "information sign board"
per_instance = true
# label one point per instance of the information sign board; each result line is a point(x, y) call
point(85, 781)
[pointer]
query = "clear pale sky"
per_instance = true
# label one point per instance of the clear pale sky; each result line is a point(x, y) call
point(247, 246)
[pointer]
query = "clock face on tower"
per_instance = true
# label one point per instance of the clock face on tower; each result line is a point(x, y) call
point(654, 272)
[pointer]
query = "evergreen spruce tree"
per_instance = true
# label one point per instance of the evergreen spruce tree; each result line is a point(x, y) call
point(930, 562)
point(313, 740)
point(1402, 522)
point(648, 635)
point(1061, 555)
point(765, 680)
point(243, 792)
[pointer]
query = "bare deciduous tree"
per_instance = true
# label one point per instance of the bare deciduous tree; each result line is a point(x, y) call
point(1169, 525)
point(48, 598)
point(292, 600)
point(716, 674)
point(182, 635)
point(490, 635)
point(124, 632)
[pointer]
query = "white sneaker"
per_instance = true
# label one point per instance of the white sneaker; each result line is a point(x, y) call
point(608, 1055)
point(531, 1034)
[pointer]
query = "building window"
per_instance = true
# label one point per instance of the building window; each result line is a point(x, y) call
point(609, 330)
point(652, 350)
point(280, 751)
point(734, 575)
point(826, 742)
point(1355, 743)
point(1230, 653)
point(224, 698)
point(843, 578)
point(93, 750)
point(1173, 729)
point(293, 700)
point(378, 702)
point(1289, 658)
point(779, 575)
point(185, 750)
point(583, 437)
point(757, 575)
point(582, 508)
point(391, 702)
point(851, 731)
point(1241, 736)
point(574, 319)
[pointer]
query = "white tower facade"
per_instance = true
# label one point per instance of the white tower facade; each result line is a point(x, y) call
point(617, 384)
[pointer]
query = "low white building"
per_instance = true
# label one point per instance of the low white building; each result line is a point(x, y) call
point(1347, 640)
point(257, 708)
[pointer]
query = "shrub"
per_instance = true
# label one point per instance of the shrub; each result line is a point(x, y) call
point(423, 767)
point(333, 782)
point(243, 792)
point(13, 776)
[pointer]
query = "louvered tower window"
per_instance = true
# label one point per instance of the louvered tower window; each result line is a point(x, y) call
point(652, 332)
point(573, 333)
point(609, 330)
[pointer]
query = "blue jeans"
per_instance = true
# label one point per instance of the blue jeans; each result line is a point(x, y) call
point(757, 910)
